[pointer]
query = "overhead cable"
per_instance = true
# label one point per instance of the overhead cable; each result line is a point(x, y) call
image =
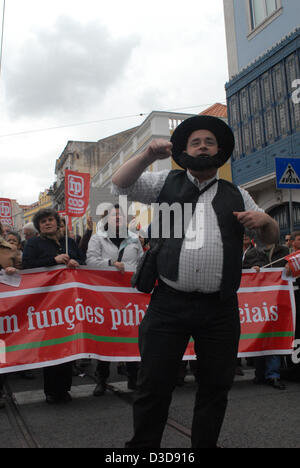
point(78, 124)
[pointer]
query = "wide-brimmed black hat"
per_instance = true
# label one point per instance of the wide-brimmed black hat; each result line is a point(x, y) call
point(218, 127)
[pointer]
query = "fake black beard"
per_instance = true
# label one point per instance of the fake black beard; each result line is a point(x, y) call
point(200, 163)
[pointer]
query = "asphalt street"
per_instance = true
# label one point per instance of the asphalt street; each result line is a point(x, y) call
point(258, 416)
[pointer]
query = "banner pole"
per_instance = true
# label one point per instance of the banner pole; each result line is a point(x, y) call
point(275, 261)
point(279, 259)
point(67, 221)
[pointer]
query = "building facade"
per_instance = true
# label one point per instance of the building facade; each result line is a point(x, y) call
point(156, 125)
point(263, 44)
point(18, 216)
point(83, 156)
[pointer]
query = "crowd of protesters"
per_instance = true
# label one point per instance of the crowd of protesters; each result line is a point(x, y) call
point(44, 244)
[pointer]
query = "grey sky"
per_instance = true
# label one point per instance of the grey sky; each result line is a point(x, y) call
point(68, 61)
point(65, 68)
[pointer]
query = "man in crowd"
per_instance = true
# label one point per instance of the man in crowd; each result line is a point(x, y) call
point(267, 368)
point(5, 229)
point(289, 242)
point(196, 296)
point(292, 372)
point(29, 231)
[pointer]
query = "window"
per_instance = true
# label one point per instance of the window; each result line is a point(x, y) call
point(281, 214)
point(262, 9)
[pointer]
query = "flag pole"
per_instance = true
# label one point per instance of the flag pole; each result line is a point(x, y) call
point(278, 260)
point(67, 221)
point(272, 263)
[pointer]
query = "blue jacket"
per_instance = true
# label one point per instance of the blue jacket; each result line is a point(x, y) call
point(41, 251)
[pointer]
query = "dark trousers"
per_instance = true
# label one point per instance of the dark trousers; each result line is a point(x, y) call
point(2, 380)
point(172, 318)
point(102, 371)
point(58, 379)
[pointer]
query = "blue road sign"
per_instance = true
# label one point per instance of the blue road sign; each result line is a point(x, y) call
point(287, 173)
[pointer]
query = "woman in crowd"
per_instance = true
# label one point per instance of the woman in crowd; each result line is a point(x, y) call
point(8, 254)
point(113, 245)
point(7, 263)
point(49, 249)
point(14, 239)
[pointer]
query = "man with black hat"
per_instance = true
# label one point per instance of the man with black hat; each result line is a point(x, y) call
point(196, 296)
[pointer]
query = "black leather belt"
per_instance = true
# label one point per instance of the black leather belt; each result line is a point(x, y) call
point(191, 294)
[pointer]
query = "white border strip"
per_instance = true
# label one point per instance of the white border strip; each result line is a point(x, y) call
point(265, 353)
point(63, 267)
point(74, 357)
point(280, 287)
point(114, 289)
point(65, 286)
point(40, 365)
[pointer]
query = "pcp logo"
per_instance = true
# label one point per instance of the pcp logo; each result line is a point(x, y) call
point(76, 186)
point(5, 209)
point(75, 193)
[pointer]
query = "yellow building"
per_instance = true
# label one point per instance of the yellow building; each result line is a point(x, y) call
point(44, 201)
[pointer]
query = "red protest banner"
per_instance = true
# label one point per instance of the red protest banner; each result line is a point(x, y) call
point(77, 193)
point(66, 314)
point(294, 263)
point(58, 315)
point(267, 313)
point(6, 211)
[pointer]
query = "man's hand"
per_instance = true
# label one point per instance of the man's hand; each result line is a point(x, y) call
point(132, 169)
point(62, 259)
point(251, 219)
point(89, 223)
point(267, 228)
point(72, 263)
point(119, 266)
point(159, 149)
point(288, 270)
point(10, 270)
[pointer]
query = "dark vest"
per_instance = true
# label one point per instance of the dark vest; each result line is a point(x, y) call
point(178, 188)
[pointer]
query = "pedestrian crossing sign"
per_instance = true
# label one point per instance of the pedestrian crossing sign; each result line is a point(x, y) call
point(288, 173)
